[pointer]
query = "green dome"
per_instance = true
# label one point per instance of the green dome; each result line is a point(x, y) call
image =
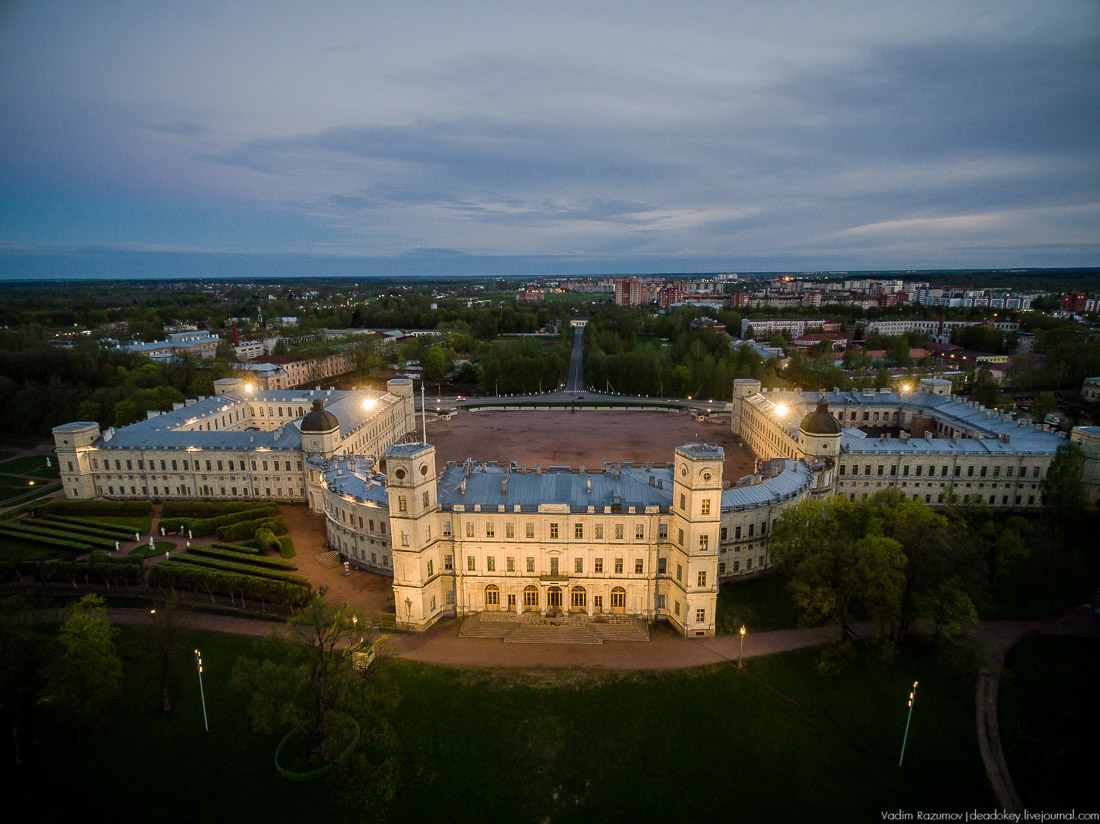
point(820, 421)
point(319, 419)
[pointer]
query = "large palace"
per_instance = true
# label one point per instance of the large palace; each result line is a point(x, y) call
point(651, 541)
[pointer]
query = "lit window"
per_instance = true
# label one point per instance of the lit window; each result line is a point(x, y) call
point(705, 503)
point(578, 531)
point(553, 530)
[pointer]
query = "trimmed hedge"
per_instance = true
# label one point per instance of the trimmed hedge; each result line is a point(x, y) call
point(42, 539)
point(243, 549)
point(246, 529)
point(200, 527)
point(97, 571)
point(266, 541)
point(286, 547)
point(213, 582)
point(229, 555)
point(21, 528)
point(204, 509)
point(62, 507)
point(241, 569)
point(77, 526)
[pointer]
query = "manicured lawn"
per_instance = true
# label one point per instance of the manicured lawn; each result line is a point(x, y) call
point(29, 464)
point(562, 745)
point(131, 523)
point(1037, 588)
point(760, 604)
point(1050, 722)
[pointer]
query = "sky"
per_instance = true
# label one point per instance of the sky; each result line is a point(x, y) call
point(155, 139)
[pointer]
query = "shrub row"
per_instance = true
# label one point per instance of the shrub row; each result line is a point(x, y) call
point(241, 569)
point(73, 546)
point(98, 571)
point(200, 527)
point(62, 507)
point(74, 524)
point(266, 540)
point(244, 549)
point(24, 528)
point(230, 555)
point(286, 547)
point(213, 582)
point(246, 529)
point(203, 509)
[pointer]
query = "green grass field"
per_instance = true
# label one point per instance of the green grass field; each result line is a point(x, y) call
point(1050, 735)
point(559, 745)
point(131, 523)
point(32, 464)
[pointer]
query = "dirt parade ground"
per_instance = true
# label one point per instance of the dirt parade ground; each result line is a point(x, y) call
point(589, 437)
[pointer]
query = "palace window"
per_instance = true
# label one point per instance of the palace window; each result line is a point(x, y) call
point(470, 529)
point(662, 566)
point(680, 573)
point(723, 533)
point(702, 579)
point(510, 564)
point(578, 598)
point(425, 494)
point(683, 501)
point(705, 503)
point(490, 530)
point(676, 607)
point(491, 564)
point(700, 616)
point(618, 532)
point(531, 595)
point(430, 569)
point(492, 596)
point(530, 564)
point(470, 563)
point(404, 539)
point(553, 530)
point(599, 532)
point(578, 530)
point(639, 566)
point(446, 528)
point(737, 533)
point(578, 565)
point(530, 531)
point(402, 502)
point(447, 562)
point(618, 566)
point(662, 530)
point(618, 598)
point(704, 541)
point(510, 530)
point(639, 531)
point(598, 565)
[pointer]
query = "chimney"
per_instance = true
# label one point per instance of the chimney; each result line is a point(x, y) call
point(503, 486)
point(462, 487)
point(652, 481)
point(588, 484)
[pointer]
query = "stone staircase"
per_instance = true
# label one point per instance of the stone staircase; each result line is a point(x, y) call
point(533, 628)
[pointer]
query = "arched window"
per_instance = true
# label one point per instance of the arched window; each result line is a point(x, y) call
point(280, 411)
point(531, 597)
point(301, 411)
point(618, 598)
point(492, 597)
point(578, 598)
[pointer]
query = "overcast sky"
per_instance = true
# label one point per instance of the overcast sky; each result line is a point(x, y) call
point(433, 137)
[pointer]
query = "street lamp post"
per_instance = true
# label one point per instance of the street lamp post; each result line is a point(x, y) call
point(905, 738)
point(741, 652)
point(202, 693)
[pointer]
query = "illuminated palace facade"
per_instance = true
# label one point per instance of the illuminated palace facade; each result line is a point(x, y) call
point(651, 541)
point(242, 443)
point(924, 442)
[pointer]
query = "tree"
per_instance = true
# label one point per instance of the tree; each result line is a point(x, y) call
point(435, 364)
point(833, 564)
point(1062, 493)
point(311, 685)
point(1045, 403)
point(19, 665)
point(84, 676)
point(167, 631)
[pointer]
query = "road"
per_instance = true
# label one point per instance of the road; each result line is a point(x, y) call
point(575, 382)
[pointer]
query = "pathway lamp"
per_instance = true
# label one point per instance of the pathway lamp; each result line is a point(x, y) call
point(741, 652)
point(905, 738)
point(202, 693)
